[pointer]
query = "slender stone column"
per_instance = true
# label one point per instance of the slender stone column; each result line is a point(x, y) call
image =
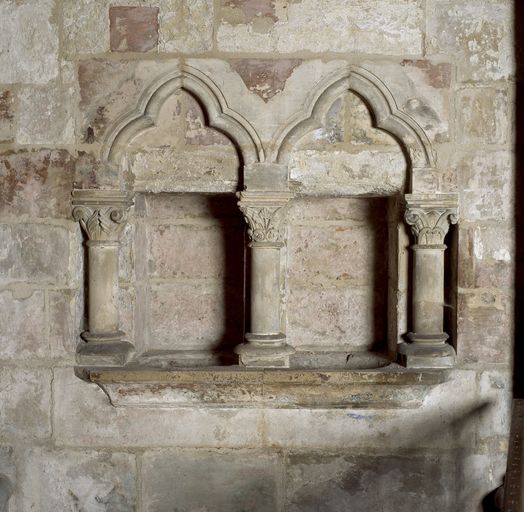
point(102, 215)
point(429, 216)
point(265, 343)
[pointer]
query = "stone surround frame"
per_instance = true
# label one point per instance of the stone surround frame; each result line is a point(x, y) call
point(263, 202)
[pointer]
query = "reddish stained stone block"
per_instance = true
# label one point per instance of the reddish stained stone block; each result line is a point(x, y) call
point(438, 75)
point(252, 9)
point(37, 183)
point(265, 77)
point(133, 29)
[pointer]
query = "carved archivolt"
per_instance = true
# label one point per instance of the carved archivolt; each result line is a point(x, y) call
point(189, 79)
point(375, 93)
point(386, 114)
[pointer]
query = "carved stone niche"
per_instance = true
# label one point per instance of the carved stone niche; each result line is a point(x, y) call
point(269, 371)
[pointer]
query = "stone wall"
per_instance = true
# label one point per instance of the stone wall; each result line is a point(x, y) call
point(70, 69)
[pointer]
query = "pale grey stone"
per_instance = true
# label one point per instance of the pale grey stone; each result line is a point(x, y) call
point(210, 481)
point(26, 404)
point(389, 483)
point(90, 481)
point(28, 42)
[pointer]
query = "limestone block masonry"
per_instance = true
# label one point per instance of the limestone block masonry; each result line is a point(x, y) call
point(263, 365)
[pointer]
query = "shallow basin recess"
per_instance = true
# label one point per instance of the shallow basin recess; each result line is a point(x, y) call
point(338, 360)
point(301, 360)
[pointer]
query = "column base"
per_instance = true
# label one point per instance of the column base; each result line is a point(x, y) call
point(104, 350)
point(426, 355)
point(264, 351)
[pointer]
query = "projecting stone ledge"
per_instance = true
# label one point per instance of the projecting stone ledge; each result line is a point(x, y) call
point(392, 387)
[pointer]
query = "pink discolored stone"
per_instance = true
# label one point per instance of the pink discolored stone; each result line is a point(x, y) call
point(133, 29)
point(265, 77)
point(438, 75)
point(261, 13)
point(37, 183)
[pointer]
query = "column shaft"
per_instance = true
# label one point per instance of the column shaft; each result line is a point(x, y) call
point(103, 288)
point(265, 290)
point(428, 290)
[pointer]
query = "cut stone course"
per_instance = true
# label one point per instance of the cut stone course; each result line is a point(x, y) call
point(288, 26)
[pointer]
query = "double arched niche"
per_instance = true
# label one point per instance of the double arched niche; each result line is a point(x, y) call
point(266, 193)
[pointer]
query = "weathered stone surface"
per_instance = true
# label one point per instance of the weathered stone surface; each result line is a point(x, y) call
point(485, 326)
point(110, 88)
point(477, 32)
point(190, 208)
point(133, 29)
point(485, 180)
point(84, 417)
point(65, 312)
point(350, 210)
point(483, 116)
point(347, 383)
point(36, 106)
point(186, 26)
point(422, 89)
point(181, 154)
point(442, 421)
point(37, 183)
point(86, 28)
point(7, 127)
point(22, 317)
point(193, 316)
point(247, 481)
point(495, 388)
point(26, 404)
point(34, 252)
point(264, 26)
point(352, 482)
point(486, 256)
point(335, 254)
point(76, 480)
point(194, 251)
point(334, 317)
point(343, 173)
point(28, 42)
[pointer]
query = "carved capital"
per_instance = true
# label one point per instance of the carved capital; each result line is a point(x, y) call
point(430, 216)
point(264, 213)
point(101, 213)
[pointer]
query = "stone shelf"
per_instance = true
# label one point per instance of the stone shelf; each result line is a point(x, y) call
point(389, 387)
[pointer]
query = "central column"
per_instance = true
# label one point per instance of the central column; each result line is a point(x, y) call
point(265, 343)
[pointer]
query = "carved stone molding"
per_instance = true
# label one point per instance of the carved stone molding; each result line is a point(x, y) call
point(101, 213)
point(430, 216)
point(264, 213)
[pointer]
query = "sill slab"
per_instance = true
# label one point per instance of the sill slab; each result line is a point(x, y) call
point(391, 387)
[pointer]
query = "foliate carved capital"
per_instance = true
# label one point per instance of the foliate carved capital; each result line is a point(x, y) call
point(430, 216)
point(101, 213)
point(265, 213)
